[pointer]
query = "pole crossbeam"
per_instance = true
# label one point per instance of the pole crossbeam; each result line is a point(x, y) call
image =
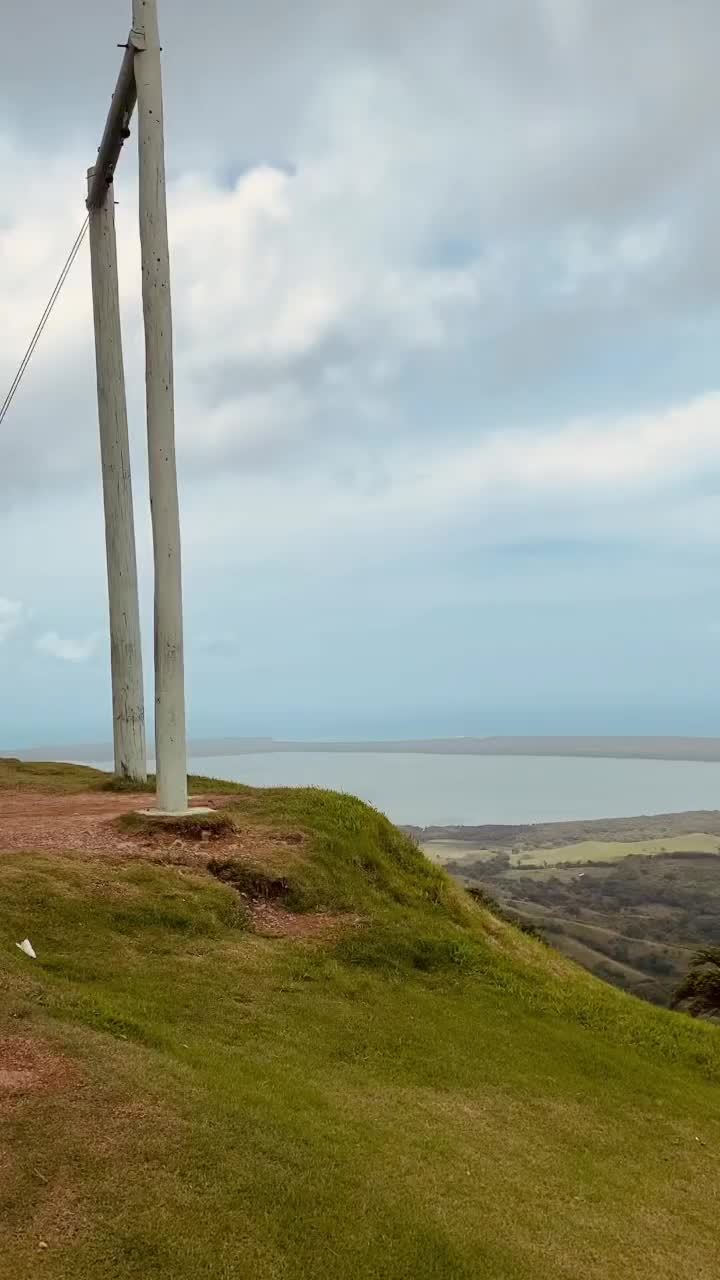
point(116, 131)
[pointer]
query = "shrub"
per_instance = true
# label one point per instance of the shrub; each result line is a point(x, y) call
point(700, 989)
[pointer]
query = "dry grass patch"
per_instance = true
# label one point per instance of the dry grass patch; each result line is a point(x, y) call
point(29, 1064)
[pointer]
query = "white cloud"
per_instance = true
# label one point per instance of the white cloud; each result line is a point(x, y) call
point(608, 458)
point(413, 206)
point(455, 198)
point(11, 617)
point(269, 272)
point(67, 650)
point(608, 477)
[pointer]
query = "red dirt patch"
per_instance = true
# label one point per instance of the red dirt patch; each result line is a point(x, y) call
point(28, 1065)
point(29, 821)
point(81, 823)
point(84, 823)
point(275, 848)
point(273, 922)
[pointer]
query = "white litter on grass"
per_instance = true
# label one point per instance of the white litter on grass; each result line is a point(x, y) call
point(27, 948)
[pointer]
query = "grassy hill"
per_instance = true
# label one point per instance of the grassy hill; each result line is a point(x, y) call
point(294, 1049)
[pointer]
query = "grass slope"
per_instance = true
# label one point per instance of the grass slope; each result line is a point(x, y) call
point(431, 1094)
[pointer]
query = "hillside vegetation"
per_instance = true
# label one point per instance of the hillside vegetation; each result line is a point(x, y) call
point(293, 1048)
point(631, 899)
point(536, 838)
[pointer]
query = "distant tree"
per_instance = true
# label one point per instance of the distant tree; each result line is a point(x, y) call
point(498, 865)
point(699, 990)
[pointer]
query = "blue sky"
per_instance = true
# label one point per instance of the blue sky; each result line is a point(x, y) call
point(447, 319)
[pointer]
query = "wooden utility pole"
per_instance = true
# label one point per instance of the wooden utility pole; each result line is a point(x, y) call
point(125, 650)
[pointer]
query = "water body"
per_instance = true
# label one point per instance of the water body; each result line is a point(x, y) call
point(442, 789)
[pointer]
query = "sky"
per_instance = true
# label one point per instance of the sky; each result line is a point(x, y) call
point(446, 290)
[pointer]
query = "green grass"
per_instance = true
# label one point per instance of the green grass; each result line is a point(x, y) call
point(215, 824)
point(61, 778)
point(443, 851)
point(71, 779)
point(604, 850)
point(431, 1094)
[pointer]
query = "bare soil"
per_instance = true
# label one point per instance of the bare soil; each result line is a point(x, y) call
point(82, 823)
point(85, 825)
point(273, 922)
point(27, 1065)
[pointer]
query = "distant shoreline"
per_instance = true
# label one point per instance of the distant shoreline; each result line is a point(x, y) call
point(535, 835)
point(699, 750)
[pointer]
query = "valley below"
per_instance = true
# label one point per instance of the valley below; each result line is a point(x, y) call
point(630, 899)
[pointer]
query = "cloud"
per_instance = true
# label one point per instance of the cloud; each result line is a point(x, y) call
point(444, 286)
point(608, 478)
point(316, 273)
point(67, 650)
point(598, 460)
point(11, 617)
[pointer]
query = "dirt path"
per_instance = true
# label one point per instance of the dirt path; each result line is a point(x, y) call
point(80, 823)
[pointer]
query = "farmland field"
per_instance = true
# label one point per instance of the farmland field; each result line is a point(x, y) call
point(444, 851)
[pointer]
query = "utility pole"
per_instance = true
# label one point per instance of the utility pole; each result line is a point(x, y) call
point(140, 82)
point(170, 743)
point(125, 650)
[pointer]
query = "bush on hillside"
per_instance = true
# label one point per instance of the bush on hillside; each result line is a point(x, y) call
point(699, 991)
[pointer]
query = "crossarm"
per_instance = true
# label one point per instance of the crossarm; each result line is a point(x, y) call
point(116, 129)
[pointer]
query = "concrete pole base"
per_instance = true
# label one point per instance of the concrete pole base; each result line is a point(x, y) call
point(199, 812)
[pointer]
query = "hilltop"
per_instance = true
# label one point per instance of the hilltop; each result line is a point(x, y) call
point(284, 1044)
